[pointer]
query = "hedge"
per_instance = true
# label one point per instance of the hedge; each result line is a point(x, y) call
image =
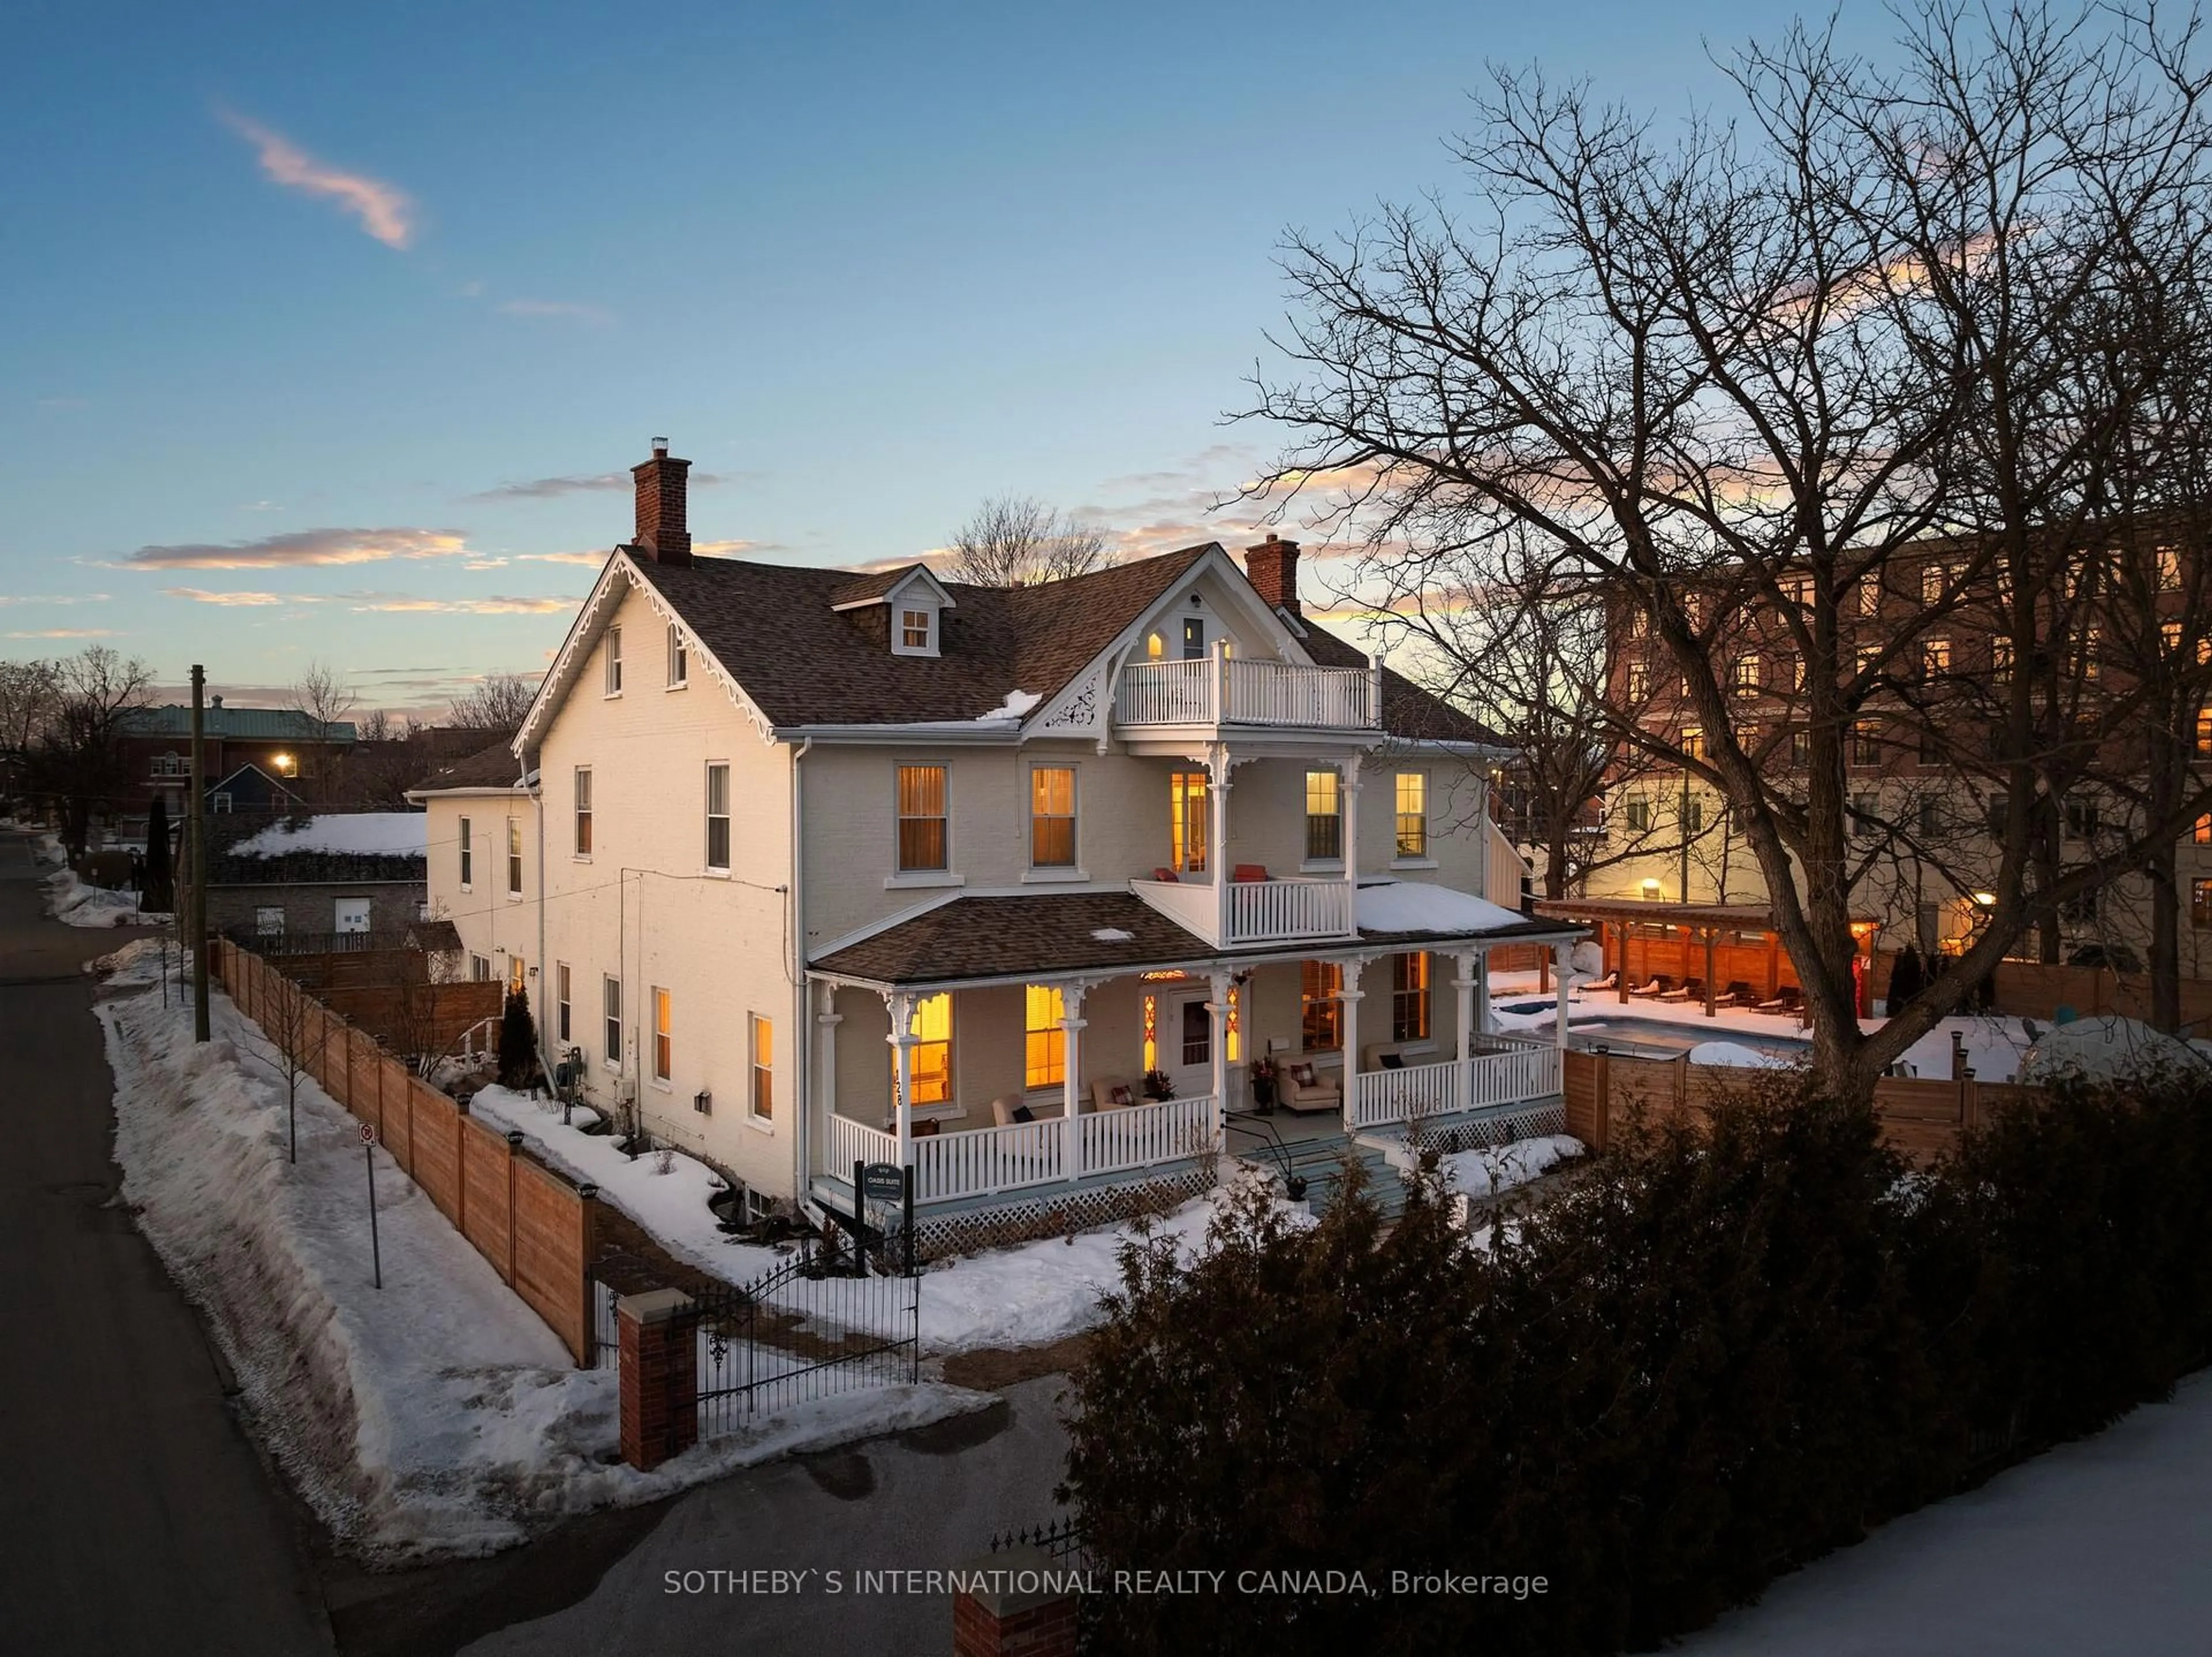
point(1722, 1352)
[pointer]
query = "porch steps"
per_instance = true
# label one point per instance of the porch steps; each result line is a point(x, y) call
point(1319, 1163)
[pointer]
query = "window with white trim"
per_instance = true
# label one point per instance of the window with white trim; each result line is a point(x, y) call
point(664, 1037)
point(583, 811)
point(679, 662)
point(468, 857)
point(1051, 817)
point(718, 816)
point(922, 819)
point(614, 661)
point(514, 856)
point(561, 1004)
point(1044, 1037)
point(762, 1045)
point(1412, 813)
point(611, 1015)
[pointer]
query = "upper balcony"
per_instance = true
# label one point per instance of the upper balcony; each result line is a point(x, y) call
point(1222, 690)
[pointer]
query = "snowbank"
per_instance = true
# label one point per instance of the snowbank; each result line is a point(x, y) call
point(1016, 706)
point(1478, 1174)
point(436, 1417)
point(364, 833)
point(1416, 906)
point(672, 1206)
point(72, 901)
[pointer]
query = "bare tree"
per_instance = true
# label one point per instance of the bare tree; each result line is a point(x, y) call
point(1753, 379)
point(30, 692)
point(321, 700)
point(79, 761)
point(1014, 541)
point(496, 702)
point(292, 1020)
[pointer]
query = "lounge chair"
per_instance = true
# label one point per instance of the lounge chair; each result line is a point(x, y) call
point(1659, 983)
point(1112, 1093)
point(1323, 1093)
point(1688, 989)
point(1611, 980)
point(1738, 994)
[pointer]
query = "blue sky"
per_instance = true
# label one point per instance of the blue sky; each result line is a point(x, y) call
point(422, 274)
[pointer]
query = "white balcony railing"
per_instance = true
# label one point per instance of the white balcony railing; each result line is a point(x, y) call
point(1144, 1135)
point(1259, 912)
point(1526, 1069)
point(845, 1141)
point(1228, 691)
point(984, 1161)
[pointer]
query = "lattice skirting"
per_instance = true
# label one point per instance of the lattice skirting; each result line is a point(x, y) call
point(1036, 1215)
point(1520, 1122)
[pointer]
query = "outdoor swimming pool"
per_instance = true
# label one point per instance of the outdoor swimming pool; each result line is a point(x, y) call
point(1662, 1039)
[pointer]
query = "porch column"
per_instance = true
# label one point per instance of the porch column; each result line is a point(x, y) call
point(1562, 955)
point(1350, 996)
point(1351, 828)
point(826, 1072)
point(901, 1040)
point(1071, 1025)
point(1470, 963)
point(1216, 1013)
point(1216, 765)
point(1486, 1021)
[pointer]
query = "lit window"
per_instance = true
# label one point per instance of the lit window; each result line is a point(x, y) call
point(1235, 1030)
point(1152, 1032)
point(1412, 813)
point(614, 661)
point(2204, 731)
point(1935, 657)
point(2092, 653)
point(583, 811)
point(1746, 675)
point(921, 819)
point(1869, 598)
point(514, 856)
point(1797, 589)
point(2169, 634)
point(1409, 997)
point(664, 1041)
point(1867, 656)
point(930, 1062)
point(468, 857)
point(2200, 903)
point(1324, 817)
point(914, 629)
point(679, 662)
point(610, 1003)
point(1046, 1060)
point(560, 1001)
point(1187, 825)
point(763, 1043)
point(1052, 816)
point(1639, 681)
point(718, 816)
point(518, 974)
point(1866, 743)
point(2203, 834)
point(1155, 646)
point(1321, 1014)
point(1693, 743)
point(2000, 660)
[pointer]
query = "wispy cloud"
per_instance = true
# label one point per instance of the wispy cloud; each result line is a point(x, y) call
point(202, 595)
point(547, 489)
point(559, 309)
point(384, 210)
point(591, 560)
point(53, 598)
point(64, 632)
point(303, 547)
point(401, 605)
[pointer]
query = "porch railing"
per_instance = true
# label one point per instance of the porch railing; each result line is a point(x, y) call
point(1266, 912)
point(1140, 1136)
point(1525, 1070)
point(984, 1162)
point(1249, 692)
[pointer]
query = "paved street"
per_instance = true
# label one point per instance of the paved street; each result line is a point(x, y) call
point(135, 1515)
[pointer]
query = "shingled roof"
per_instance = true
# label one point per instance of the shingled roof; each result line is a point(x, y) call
point(494, 767)
point(802, 663)
point(775, 630)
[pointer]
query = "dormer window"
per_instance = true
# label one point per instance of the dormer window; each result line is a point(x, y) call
point(914, 629)
point(914, 603)
point(914, 626)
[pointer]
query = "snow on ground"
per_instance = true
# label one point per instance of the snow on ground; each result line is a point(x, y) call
point(72, 900)
point(672, 1206)
point(1995, 1043)
point(1041, 1292)
point(2097, 1546)
point(1418, 906)
point(435, 1416)
point(1478, 1174)
point(1731, 1055)
point(369, 833)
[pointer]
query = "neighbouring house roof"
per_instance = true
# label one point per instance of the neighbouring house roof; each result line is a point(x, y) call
point(250, 783)
point(494, 767)
point(435, 937)
point(358, 833)
point(235, 724)
point(1040, 934)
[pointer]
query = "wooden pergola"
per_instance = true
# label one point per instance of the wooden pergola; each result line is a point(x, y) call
point(1734, 943)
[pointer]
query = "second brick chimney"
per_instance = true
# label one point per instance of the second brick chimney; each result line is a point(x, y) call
point(664, 532)
point(1273, 567)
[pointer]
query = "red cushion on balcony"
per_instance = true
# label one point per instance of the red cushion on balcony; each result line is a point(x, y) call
point(1164, 875)
point(1250, 872)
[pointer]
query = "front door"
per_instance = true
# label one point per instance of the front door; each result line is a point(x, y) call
point(1187, 1044)
point(352, 915)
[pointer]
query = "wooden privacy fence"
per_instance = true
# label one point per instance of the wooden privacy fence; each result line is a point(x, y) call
point(1919, 1117)
point(535, 1228)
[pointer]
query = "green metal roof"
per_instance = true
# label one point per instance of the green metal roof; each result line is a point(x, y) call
point(237, 724)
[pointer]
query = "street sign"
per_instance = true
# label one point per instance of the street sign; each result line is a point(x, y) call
point(367, 1134)
point(883, 1182)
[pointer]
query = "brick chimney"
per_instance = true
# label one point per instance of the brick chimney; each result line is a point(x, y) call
point(1273, 567)
point(664, 534)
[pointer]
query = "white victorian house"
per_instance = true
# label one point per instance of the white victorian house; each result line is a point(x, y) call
point(1008, 886)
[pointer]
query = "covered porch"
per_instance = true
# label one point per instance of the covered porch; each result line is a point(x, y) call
point(1112, 1047)
point(1714, 954)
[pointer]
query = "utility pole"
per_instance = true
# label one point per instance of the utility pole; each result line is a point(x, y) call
point(196, 911)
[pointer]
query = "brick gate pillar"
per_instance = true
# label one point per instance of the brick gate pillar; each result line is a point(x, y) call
point(659, 1376)
point(1028, 1613)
